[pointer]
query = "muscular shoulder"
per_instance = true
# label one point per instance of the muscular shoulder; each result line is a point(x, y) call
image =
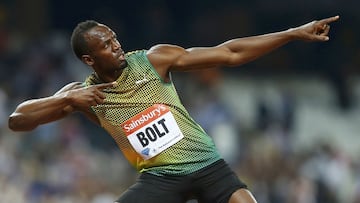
point(165, 53)
point(165, 49)
point(163, 57)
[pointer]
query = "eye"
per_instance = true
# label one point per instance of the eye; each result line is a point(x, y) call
point(107, 44)
point(114, 38)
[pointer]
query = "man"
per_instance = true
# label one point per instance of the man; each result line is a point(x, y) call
point(133, 98)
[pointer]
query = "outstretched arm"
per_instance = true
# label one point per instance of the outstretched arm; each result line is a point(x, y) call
point(29, 114)
point(236, 51)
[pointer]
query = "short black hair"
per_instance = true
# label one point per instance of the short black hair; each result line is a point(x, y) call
point(78, 42)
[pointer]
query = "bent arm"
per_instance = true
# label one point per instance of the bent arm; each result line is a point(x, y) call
point(29, 114)
point(73, 97)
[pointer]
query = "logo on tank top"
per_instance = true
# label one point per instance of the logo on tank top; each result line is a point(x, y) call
point(152, 131)
point(144, 80)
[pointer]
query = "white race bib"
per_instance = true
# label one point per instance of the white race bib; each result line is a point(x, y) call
point(152, 131)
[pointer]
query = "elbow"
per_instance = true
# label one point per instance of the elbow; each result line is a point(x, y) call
point(17, 123)
point(12, 123)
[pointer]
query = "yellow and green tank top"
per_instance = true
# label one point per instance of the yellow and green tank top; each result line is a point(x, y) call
point(139, 88)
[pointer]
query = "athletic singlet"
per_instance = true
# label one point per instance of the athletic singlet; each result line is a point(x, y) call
point(147, 120)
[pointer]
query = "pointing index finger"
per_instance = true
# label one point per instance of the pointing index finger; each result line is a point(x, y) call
point(330, 20)
point(105, 85)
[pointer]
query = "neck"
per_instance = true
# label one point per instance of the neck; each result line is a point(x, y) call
point(109, 77)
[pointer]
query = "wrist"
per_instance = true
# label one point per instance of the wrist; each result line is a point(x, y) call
point(67, 98)
point(292, 34)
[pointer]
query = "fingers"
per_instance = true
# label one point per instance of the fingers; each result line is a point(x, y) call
point(329, 20)
point(322, 28)
point(322, 32)
point(97, 94)
point(91, 95)
point(100, 96)
point(326, 29)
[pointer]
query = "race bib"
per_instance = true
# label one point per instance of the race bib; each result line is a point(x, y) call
point(152, 131)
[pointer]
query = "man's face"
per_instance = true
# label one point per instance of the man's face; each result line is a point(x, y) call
point(105, 50)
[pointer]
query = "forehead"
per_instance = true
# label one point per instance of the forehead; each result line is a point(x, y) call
point(100, 32)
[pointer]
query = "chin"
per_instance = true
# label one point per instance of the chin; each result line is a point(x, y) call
point(123, 64)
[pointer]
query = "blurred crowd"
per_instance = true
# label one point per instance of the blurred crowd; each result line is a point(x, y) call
point(263, 115)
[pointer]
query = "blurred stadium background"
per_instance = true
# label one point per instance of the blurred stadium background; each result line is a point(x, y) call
point(288, 123)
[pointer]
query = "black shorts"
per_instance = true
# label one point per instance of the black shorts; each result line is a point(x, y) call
point(213, 184)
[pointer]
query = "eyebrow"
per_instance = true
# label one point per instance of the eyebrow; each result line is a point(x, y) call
point(112, 34)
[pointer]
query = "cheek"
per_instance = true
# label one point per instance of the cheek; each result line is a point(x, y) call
point(111, 62)
point(104, 59)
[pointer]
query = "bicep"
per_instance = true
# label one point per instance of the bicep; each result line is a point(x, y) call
point(201, 58)
point(167, 58)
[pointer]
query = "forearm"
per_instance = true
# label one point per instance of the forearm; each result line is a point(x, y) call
point(32, 113)
point(243, 50)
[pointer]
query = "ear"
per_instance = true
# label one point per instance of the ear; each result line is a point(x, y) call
point(87, 60)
